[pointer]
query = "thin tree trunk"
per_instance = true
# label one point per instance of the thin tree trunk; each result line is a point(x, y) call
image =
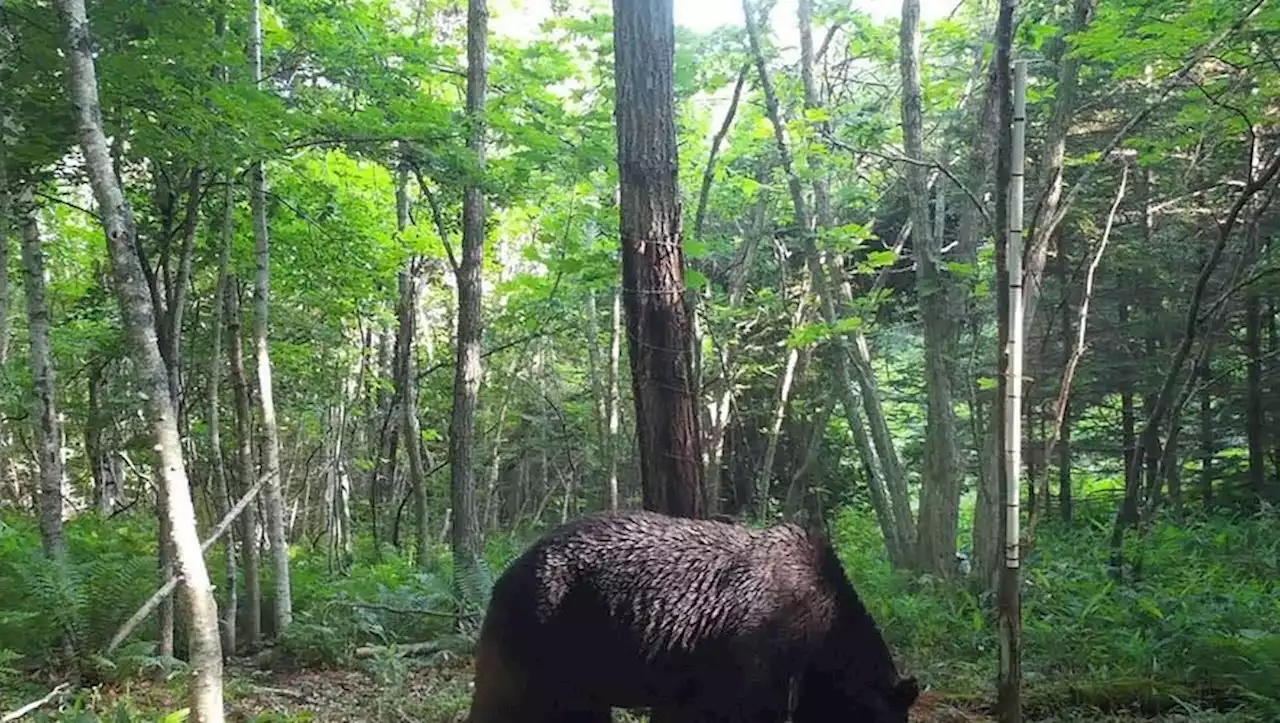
point(1009, 190)
point(1260, 177)
point(231, 608)
point(1065, 510)
point(653, 282)
point(139, 322)
point(615, 407)
point(1208, 449)
point(780, 414)
point(273, 485)
point(45, 406)
point(249, 538)
point(466, 384)
point(1074, 354)
point(406, 377)
point(898, 531)
point(8, 473)
point(105, 488)
point(1254, 412)
point(1054, 160)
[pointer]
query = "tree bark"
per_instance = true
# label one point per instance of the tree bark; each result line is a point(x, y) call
point(250, 551)
point(139, 322)
point(273, 484)
point(940, 489)
point(465, 533)
point(653, 283)
point(44, 404)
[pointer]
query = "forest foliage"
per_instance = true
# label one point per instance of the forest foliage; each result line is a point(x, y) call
point(840, 266)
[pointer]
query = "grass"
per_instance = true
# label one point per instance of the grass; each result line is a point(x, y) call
point(1197, 637)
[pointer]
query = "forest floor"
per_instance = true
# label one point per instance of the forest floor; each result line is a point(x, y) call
point(440, 693)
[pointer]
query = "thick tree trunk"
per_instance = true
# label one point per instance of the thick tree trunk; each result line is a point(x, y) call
point(273, 484)
point(139, 322)
point(653, 283)
point(44, 405)
point(940, 491)
point(249, 538)
point(467, 560)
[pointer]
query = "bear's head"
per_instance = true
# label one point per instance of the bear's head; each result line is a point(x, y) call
point(828, 699)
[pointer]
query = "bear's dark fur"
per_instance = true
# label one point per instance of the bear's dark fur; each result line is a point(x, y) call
point(698, 620)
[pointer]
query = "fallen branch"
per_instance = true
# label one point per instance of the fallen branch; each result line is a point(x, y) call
point(392, 608)
point(167, 589)
point(29, 707)
point(400, 651)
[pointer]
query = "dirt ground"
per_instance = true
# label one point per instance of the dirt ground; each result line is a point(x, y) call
point(440, 693)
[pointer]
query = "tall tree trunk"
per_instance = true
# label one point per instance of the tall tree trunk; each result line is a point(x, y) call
point(653, 283)
point(407, 376)
point(467, 561)
point(940, 491)
point(779, 416)
point(231, 608)
point(249, 538)
point(139, 322)
point(45, 406)
point(1009, 191)
point(273, 485)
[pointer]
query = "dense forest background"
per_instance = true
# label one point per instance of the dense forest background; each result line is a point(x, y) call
point(362, 297)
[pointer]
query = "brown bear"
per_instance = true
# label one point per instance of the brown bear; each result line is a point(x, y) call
point(698, 620)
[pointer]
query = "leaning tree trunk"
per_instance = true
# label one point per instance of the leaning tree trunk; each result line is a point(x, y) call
point(273, 485)
point(658, 326)
point(882, 482)
point(139, 323)
point(940, 491)
point(467, 561)
point(45, 406)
